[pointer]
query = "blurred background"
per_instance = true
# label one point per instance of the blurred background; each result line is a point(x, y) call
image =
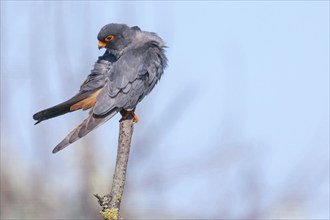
point(237, 128)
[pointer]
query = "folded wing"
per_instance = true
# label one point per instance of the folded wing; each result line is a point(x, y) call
point(89, 90)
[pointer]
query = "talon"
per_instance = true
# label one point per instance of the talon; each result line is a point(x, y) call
point(135, 118)
point(125, 114)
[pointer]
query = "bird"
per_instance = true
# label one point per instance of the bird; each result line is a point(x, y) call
point(133, 63)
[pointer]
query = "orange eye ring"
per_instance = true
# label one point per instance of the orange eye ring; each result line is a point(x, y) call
point(109, 38)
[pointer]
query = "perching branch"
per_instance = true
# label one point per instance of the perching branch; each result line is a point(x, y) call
point(110, 203)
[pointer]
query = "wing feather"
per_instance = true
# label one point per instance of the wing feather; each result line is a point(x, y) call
point(86, 97)
point(132, 77)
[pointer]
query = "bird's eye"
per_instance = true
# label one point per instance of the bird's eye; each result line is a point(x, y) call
point(109, 38)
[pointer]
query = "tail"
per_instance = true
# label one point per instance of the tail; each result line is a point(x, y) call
point(81, 100)
point(84, 128)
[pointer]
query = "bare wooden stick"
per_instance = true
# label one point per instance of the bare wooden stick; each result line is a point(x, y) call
point(110, 203)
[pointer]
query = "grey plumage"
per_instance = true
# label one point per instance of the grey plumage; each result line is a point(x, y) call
point(121, 78)
point(95, 80)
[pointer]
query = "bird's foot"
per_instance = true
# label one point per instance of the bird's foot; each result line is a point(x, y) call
point(126, 114)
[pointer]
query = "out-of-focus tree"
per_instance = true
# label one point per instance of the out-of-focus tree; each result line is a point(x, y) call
point(47, 51)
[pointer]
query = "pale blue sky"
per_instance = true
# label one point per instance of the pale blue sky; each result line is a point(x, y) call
point(242, 73)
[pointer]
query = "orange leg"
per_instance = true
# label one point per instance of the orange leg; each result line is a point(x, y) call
point(125, 114)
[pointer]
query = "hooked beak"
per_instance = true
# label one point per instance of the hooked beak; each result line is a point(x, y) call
point(102, 45)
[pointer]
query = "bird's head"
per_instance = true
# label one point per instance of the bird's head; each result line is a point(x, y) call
point(115, 37)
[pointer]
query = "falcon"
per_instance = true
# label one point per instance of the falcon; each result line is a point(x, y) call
point(130, 68)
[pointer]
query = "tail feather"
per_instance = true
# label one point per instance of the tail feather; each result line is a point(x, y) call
point(84, 128)
point(61, 108)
